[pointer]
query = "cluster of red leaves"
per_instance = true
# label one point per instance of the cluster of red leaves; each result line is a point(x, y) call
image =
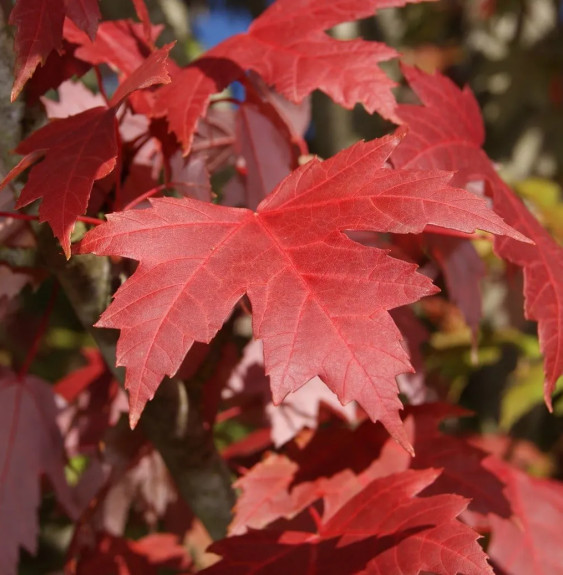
point(338, 500)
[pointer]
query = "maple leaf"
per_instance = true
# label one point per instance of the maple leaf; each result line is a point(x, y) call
point(266, 148)
point(384, 528)
point(143, 15)
point(288, 46)
point(447, 133)
point(31, 445)
point(464, 467)
point(85, 14)
point(265, 496)
point(463, 270)
point(319, 300)
point(59, 66)
point(77, 151)
point(120, 44)
point(530, 542)
point(39, 31)
point(73, 98)
point(145, 487)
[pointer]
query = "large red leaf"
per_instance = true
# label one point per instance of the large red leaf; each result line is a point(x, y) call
point(31, 445)
point(319, 300)
point(79, 150)
point(447, 133)
point(39, 31)
point(288, 46)
point(385, 528)
point(531, 541)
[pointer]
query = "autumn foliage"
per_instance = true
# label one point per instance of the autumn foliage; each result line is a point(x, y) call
point(199, 213)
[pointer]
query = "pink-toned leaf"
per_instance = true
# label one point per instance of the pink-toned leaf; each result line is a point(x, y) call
point(296, 117)
point(85, 14)
point(299, 270)
point(447, 133)
point(39, 31)
point(74, 98)
point(192, 175)
point(297, 411)
point(147, 487)
point(266, 148)
point(265, 496)
point(463, 270)
point(531, 541)
point(31, 445)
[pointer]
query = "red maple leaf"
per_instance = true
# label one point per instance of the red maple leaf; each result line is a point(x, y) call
point(77, 151)
point(120, 44)
point(385, 528)
point(288, 46)
point(85, 14)
point(40, 31)
point(31, 445)
point(319, 300)
point(531, 541)
point(447, 133)
point(265, 496)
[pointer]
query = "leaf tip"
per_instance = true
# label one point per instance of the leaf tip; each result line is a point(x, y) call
point(134, 417)
point(548, 390)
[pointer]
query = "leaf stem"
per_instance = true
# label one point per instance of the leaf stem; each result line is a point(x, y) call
point(152, 192)
point(432, 229)
point(100, 80)
point(214, 143)
point(28, 218)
